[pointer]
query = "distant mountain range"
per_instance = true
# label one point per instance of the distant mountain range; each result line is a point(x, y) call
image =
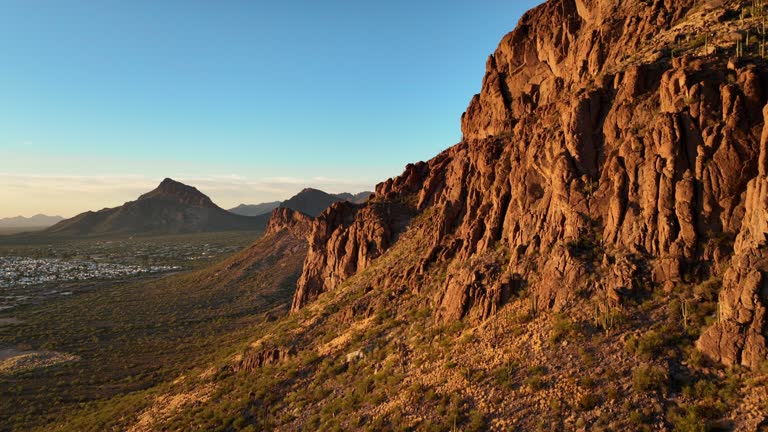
point(175, 208)
point(357, 198)
point(36, 221)
point(171, 208)
point(255, 209)
point(309, 201)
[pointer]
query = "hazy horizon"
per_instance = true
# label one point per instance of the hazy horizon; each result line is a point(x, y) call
point(223, 190)
point(248, 101)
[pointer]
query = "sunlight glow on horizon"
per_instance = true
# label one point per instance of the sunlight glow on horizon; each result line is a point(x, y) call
point(105, 99)
point(73, 194)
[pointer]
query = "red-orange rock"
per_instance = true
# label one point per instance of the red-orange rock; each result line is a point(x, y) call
point(594, 171)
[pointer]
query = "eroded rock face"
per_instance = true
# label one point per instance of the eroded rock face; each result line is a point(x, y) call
point(584, 170)
point(739, 337)
point(344, 239)
point(283, 218)
point(557, 48)
point(260, 356)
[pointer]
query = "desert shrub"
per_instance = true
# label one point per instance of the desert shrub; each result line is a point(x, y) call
point(518, 330)
point(699, 41)
point(555, 404)
point(708, 290)
point(587, 382)
point(422, 313)
point(650, 344)
point(503, 377)
point(466, 338)
point(534, 382)
point(586, 357)
point(687, 421)
point(696, 358)
point(613, 392)
point(649, 378)
point(702, 389)
point(588, 402)
point(431, 426)
point(476, 421)
point(637, 418)
point(472, 374)
point(561, 329)
point(729, 391)
point(452, 409)
point(583, 247)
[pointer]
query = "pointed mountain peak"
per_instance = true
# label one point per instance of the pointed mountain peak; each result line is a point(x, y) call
point(172, 185)
point(170, 182)
point(172, 190)
point(309, 190)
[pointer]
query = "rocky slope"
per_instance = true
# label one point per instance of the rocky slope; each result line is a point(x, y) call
point(638, 177)
point(613, 174)
point(591, 256)
point(172, 207)
point(272, 264)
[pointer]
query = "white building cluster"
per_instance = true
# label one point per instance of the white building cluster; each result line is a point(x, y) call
point(24, 271)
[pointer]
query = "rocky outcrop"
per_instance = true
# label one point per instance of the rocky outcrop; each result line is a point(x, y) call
point(257, 357)
point(594, 160)
point(558, 48)
point(739, 337)
point(283, 218)
point(345, 239)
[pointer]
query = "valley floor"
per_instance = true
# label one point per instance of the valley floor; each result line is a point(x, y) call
point(60, 354)
point(368, 358)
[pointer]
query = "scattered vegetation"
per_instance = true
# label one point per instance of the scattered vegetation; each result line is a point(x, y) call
point(588, 402)
point(132, 339)
point(562, 328)
point(649, 378)
point(535, 380)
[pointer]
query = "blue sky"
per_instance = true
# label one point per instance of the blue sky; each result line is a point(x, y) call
point(248, 100)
